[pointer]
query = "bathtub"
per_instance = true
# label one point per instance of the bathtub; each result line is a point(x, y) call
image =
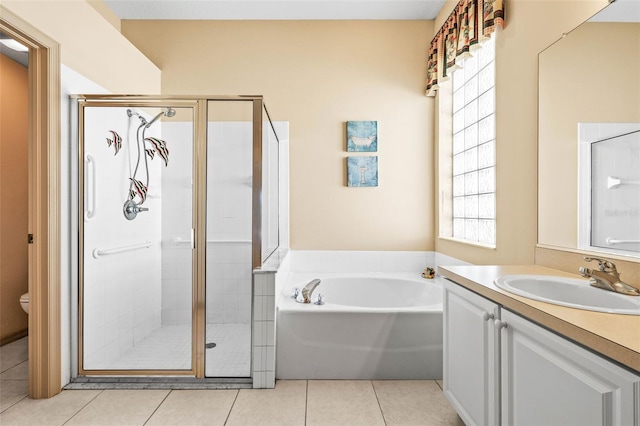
point(372, 326)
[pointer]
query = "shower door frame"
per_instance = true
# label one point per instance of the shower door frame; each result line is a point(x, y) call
point(199, 215)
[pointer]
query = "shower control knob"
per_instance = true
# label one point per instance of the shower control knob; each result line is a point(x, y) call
point(131, 209)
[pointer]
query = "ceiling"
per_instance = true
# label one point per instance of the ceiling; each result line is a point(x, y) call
point(619, 11)
point(276, 10)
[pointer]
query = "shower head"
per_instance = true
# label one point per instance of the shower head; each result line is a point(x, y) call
point(169, 112)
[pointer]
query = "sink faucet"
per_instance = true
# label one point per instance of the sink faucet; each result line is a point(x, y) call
point(607, 277)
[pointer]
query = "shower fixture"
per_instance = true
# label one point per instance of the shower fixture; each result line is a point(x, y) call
point(131, 113)
point(137, 193)
point(168, 112)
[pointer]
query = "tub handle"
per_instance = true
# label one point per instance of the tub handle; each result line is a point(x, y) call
point(319, 299)
point(295, 292)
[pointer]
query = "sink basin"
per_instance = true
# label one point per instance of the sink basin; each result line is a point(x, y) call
point(574, 293)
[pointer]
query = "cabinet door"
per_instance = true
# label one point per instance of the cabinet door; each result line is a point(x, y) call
point(547, 380)
point(470, 355)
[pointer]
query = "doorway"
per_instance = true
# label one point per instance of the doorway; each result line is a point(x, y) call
point(44, 204)
point(14, 90)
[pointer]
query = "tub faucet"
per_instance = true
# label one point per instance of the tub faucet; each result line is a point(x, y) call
point(607, 277)
point(307, 291)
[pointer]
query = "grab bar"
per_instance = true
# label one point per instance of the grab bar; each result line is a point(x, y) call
point(90, 189)
point(614, 182)
point(613, 241)
point(97, 253)
point(178, 241)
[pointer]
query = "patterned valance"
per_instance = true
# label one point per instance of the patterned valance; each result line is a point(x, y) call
point(470, 22)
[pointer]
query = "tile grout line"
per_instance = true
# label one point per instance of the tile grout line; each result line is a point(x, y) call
point(306, 400)
point(12, 405)
point(11, 368)
point(161, 402)
point(83, 407)
point(378, 401)
point(232, 405)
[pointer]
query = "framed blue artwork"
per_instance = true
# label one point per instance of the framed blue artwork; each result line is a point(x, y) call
point(362, 136)
point(362, 171)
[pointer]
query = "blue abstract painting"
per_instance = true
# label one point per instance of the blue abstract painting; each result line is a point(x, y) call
point(362, 171)
point(362, 136)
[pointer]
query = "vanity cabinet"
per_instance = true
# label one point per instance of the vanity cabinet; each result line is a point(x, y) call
point(500, 368)
point(471, 355)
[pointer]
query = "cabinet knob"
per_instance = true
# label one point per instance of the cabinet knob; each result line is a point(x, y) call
point(500, 324)
point(487, 316)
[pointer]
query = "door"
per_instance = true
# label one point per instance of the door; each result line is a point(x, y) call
point(546, 380)
point(137, 276)
point(229, 231)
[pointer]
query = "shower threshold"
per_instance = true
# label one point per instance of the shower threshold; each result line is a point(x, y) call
point(178, 383)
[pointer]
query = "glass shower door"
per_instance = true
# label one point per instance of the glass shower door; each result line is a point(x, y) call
point(136, 278)
point(229, 238)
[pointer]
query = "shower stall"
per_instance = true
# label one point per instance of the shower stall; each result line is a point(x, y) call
point(178, 203)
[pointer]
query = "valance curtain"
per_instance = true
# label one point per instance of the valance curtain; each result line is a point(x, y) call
point(470, 22)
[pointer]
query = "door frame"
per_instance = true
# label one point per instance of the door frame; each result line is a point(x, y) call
point(44, 205)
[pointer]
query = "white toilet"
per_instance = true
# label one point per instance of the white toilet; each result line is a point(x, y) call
point(24, 302)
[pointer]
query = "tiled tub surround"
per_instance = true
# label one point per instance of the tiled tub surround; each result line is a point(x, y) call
point(272, 275)
point(346, 342)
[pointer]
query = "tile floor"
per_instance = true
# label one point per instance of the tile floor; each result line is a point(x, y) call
point(292, 402)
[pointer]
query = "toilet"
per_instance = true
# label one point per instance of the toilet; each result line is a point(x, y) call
point(24, 302)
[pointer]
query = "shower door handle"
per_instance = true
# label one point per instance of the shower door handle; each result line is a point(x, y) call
point(90, 188)
point(192, 239)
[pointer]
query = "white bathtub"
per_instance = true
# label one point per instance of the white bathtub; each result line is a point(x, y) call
point(372, 326)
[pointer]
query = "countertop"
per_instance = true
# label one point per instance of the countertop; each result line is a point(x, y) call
point(615, 336)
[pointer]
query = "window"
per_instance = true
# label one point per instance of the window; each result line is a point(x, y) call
point(474, 199)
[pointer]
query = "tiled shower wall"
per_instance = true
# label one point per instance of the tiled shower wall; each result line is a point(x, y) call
point(122, 292)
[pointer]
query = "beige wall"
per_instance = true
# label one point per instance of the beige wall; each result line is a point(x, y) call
point(530, 27)
point(582, 80)
point(317, 75)
point(90, 45)
point(13, 197)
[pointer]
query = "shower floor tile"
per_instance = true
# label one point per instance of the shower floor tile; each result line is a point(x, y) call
point(231, 357)
point(169, 348)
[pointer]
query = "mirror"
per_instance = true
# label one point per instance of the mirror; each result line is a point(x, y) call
point(589, 95)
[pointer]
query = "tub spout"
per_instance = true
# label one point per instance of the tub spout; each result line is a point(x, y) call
point(307, 291)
